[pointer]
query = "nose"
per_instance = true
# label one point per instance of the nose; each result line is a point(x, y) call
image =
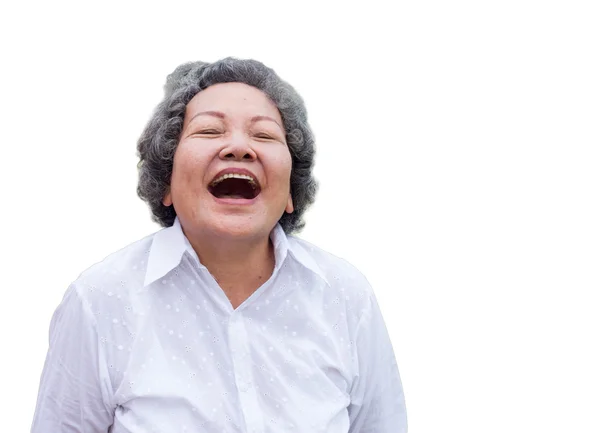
point(238, 149)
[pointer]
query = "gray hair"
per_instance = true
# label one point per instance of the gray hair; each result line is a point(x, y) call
point(158, 142)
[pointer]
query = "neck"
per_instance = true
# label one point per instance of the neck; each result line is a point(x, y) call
point(239, 267)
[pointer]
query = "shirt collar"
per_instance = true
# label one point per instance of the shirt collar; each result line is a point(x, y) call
point(170, 244)
point(166, 251)
point(282, 245)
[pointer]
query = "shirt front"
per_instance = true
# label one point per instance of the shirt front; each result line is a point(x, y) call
point(146, 341)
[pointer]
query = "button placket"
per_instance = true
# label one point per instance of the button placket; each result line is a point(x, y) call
point(240, 351)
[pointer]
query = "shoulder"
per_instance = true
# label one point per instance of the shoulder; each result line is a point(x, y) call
point(344, 279)
point(335, 268)
point(117, 274)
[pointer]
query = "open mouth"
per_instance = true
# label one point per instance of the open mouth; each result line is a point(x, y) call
point(234, 186)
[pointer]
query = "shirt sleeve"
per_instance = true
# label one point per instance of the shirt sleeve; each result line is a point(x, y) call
point(377, 397)
point(74, 394)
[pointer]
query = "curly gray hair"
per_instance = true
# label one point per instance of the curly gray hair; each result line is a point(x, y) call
point(158, 142)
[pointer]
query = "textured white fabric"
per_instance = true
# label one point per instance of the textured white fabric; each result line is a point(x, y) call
point(146, 341)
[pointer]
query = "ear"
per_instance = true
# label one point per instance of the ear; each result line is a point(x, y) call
point(289, 208)
point(167, 199)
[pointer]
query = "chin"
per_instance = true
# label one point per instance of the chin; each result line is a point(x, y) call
point(239, 228)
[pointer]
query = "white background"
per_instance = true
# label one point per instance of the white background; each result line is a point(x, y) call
point(459, 162)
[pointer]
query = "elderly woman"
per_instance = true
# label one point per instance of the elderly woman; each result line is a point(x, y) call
point(222, 321)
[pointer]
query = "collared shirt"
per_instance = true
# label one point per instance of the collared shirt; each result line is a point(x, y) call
point(146, 341)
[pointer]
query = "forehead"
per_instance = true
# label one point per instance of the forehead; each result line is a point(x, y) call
point(233, 100)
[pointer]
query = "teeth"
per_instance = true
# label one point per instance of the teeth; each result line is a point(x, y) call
point(234, 176)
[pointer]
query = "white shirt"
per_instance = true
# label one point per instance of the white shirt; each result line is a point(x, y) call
point(146, 341)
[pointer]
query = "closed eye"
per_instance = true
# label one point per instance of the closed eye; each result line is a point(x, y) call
point(264, 136)
point(208, 132)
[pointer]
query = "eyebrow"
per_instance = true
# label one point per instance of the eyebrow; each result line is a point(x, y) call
point(222, 116)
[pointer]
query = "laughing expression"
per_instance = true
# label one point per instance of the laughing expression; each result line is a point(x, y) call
point(232, 166)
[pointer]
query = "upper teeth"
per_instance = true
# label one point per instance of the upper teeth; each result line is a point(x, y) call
point(235, 176)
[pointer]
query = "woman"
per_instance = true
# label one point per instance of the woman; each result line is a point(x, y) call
point(223, 321)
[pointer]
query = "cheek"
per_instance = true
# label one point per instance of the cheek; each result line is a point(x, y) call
point(283, 165)
point(281, 174)
point(277, 165)
point(188, 168)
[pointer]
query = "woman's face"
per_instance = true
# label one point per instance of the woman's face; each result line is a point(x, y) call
point(232, 166)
